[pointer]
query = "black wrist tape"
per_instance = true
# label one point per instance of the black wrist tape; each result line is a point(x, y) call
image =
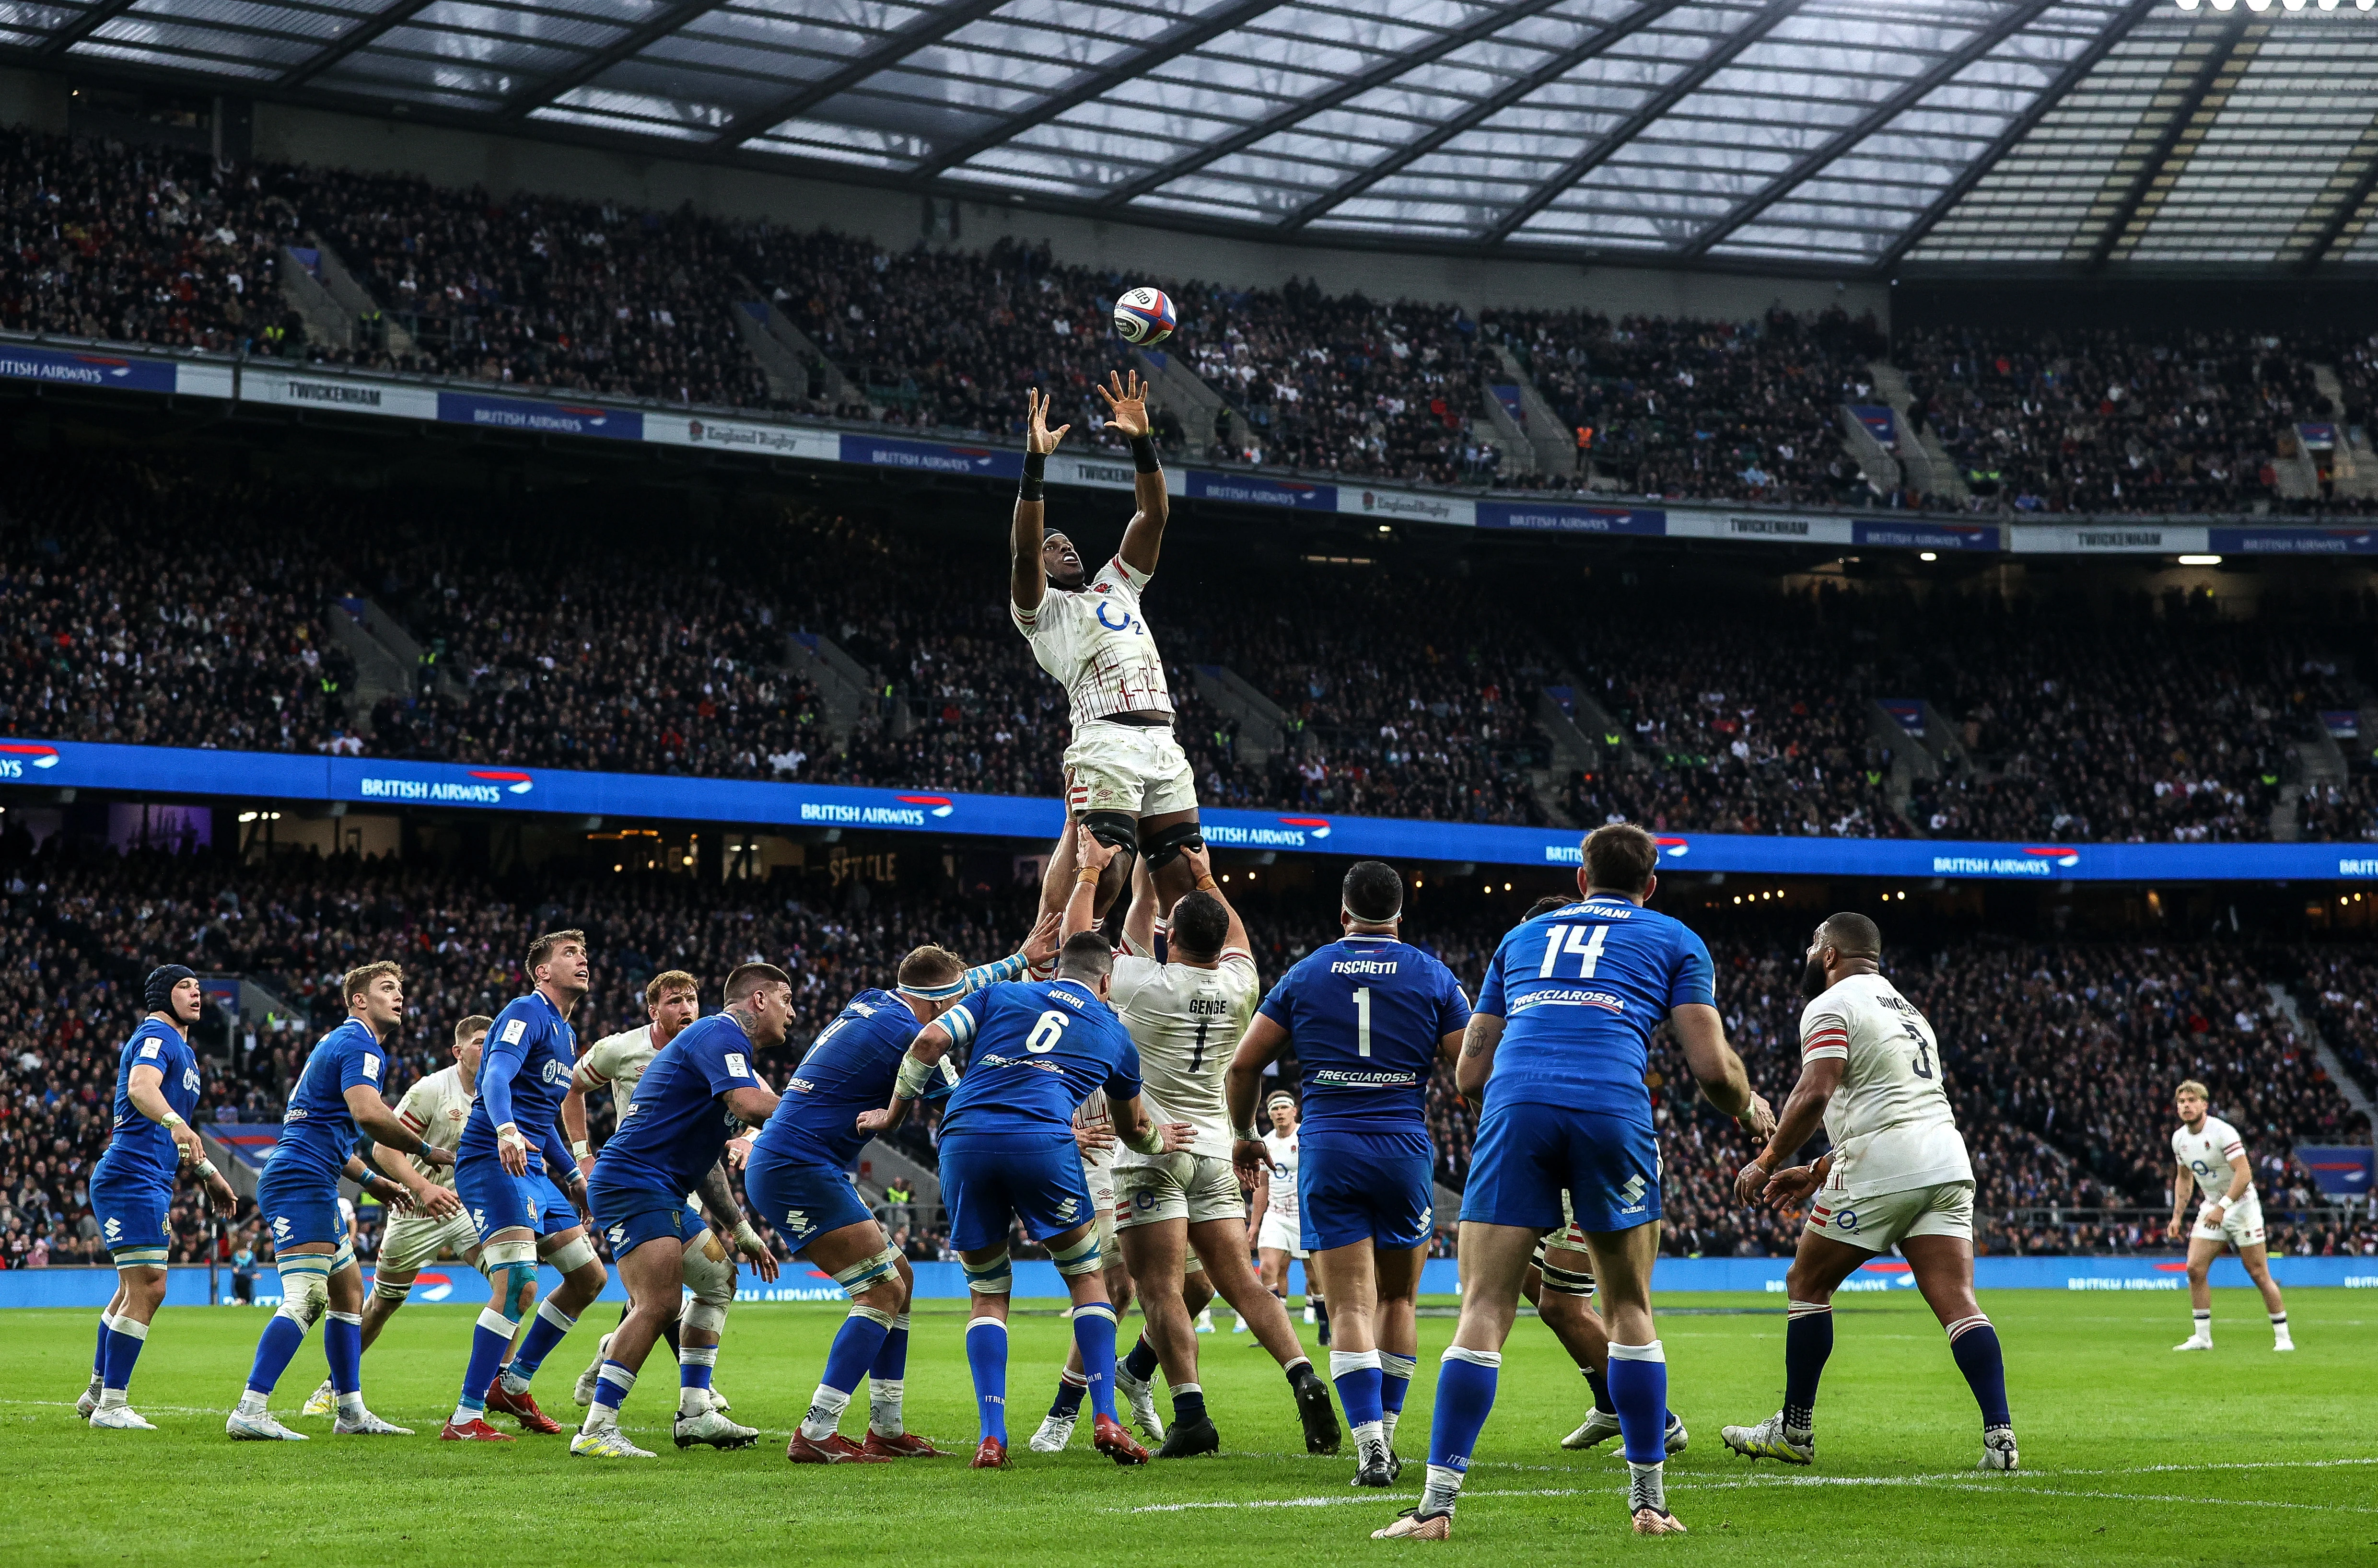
point(1143, 454)
point(1036, 465)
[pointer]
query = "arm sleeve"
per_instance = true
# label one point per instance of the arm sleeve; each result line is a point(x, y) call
point(726, 1068)
point(1694, 979)
point(557, 1157)
point(506, 1049)
point(1452, 1007)
point(1824, 1032)
point(981, 974)
point(1490, 990)
point(959, 1023)
point(1123, 1084)
point(1280, 1005)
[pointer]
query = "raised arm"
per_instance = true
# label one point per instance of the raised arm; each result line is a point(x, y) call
point(1200, 861)
point(1027, 578)
point(1127, 410)
point(1081, 906)
point(1139, 915)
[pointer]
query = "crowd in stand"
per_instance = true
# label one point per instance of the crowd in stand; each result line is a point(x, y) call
point(150, 244)
point(2109, 419)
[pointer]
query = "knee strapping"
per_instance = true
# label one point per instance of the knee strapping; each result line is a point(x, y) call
point(993, 1277)
point(1080, 1258)
point(1165, 844)
point(872, 1314)
point(1568, 1282)
point(711, 1279)
point(863, 1276)
point(703, 1317)
point(1117, 829)
point(305, 1288)
point(140, 1258)
point(511, 1268)
point(572, 1256)
point(388, 1289)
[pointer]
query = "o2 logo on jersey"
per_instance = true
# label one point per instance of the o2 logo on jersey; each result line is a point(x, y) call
point(1845, 1220)
point(1124, 619)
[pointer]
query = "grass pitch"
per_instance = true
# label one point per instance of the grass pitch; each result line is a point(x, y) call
point(2132, 1454)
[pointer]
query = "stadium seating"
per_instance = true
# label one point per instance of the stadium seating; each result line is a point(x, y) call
point(160, 246)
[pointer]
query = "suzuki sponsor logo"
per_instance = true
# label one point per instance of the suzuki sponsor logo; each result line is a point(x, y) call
point(16, 756)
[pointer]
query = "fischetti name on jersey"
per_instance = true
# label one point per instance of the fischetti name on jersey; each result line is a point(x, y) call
point(1292, 833)
point(481, 786)
point(19, 757)
point(908, 811)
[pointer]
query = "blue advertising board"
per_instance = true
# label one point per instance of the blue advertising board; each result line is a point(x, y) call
point(933, 457)
point(1546, 517)
point(538, 417)
point(1257, 490)
point(163, 771)
point(2291, 540)
point(1892, 534)
point(86, 367)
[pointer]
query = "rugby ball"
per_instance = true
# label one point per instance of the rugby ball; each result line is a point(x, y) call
point(1144, 316)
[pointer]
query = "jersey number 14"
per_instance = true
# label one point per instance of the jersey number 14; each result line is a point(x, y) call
point(1585, 941)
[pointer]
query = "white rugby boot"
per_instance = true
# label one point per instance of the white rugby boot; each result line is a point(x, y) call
point(607, 1442)
point(1998, 1450)
point(323, 1401)
point(261, 1427)
point(582, 1392)
point(1770, 1439)
point(1055, 1433)
point(121, 1419)
point(1143, 1403)
point(369, 1425)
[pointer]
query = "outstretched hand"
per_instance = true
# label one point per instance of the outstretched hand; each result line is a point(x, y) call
point(1038, 437)
point(1126, 403)
point(1092, 852)
point(1041, 945)
point(1790, 1186)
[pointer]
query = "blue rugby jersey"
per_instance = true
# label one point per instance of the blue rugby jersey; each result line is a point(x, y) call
point(143, 1150)
point(1366, 1015)
point(851, 1068)
point(675, 1128)
point(1582, 987)
point(318, 1131)
point(523, 1074)
point(1036, 1050)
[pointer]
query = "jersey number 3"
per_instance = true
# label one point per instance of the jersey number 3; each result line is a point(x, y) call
point(1923, 1051)
point(1046, 1033)
point(1584, 940)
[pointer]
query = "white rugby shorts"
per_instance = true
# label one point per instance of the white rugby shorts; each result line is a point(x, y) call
point(2241, 1227)
point(412, 1241)
point(1880, 1221)
point(1280, 1233)
point(1134, 768)
point(1181, 1185)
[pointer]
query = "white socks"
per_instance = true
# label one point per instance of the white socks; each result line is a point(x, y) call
point(883, 1397)
point(824, 1417)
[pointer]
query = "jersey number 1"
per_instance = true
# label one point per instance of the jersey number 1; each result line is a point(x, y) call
point(1362, 1020)
point(1584, 940)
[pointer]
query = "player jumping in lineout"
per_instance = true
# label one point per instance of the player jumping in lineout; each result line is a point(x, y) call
point(1126, 779)
point(1897, 1176)
point(2212, 1159)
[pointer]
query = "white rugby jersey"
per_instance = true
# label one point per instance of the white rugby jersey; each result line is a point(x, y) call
point(1889, 1120)
point(1095, 1112)
point(1186, 1023)
point(1095, 641)
point(2212, 1154)
point(622, 1058)
point(436, 1107)
point(1280, 1152)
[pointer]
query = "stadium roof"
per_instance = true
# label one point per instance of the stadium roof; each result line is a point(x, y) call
point(1839, 135)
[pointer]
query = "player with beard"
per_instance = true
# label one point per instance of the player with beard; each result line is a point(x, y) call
point(1897, 1176)
point(1126, 778)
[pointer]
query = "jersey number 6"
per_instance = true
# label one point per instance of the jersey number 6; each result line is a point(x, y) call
point(1046, 1033)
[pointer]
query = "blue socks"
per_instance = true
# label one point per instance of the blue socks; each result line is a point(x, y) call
point(1356, 1374)
point(1142, 1362)
point(892, 1361)
point(279, 1342)
point(489, 1340)
point(887, 1385)
point(124, 1339)
point(1807, 1343)
point(551, 1324)
point(1975, 1343)
point(342, 1345)
point(1638, 1387)
point(1465, 1393)
point(1094, 1335)
point(99, 1357)
point(611, 1386)
point(856, 1348)
point(1395, 1382)
point(986, 1345)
